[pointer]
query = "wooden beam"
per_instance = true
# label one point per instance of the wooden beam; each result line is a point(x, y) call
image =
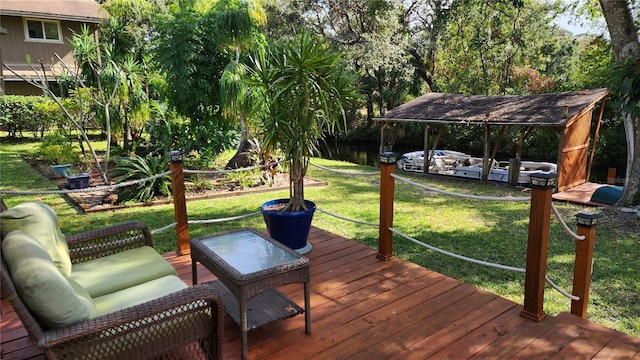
point(180, 208)
point(485, 153)
point(537, 250)
point(436, 142)
point(582, 270)
point(595, 140)
point(425, 149)
point(497, 145)
point(561, 183)
point(387, 192)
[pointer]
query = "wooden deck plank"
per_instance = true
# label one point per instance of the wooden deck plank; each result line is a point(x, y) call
point(585, 346)
point(403, 337)
point(454, 331)
point(362, 308)
point(336, 320)
point(617, 349)
point(483, 336)
point(550, 342)
point(515, 340)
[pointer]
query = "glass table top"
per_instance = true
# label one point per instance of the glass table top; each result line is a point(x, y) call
point(247, 251)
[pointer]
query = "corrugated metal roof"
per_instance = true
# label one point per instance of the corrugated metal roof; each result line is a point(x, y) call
point(72, 10)
point(554, 109)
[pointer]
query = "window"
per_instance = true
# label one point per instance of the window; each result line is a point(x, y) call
point(42, 30)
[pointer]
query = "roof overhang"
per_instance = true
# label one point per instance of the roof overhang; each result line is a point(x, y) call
point(88, 11)
point(551, 110)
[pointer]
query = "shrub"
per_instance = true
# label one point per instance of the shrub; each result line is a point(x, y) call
point(27, 113)
point(136, 168)
point(59, 154)
point(56, 149)
point(55, 138)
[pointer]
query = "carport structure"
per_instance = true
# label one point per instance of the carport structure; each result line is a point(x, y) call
point(568, 114)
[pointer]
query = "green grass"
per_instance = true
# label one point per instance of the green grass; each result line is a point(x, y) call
point(488, 230)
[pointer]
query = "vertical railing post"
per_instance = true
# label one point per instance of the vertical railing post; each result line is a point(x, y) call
point(387, 191)
point(538, 245)
point(583, 263)
point(179, 203)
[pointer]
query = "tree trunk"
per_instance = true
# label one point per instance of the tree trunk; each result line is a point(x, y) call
point(625, 42)
point(244, 155)
point(127, 141)
point(631, 192)
point(297, 171)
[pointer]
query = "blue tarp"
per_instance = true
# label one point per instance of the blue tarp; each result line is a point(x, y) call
point(609, 194)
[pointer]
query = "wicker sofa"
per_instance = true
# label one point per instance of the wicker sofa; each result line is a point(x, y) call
point(112, 297)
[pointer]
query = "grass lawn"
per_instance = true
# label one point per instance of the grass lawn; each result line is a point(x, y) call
point(493, 231)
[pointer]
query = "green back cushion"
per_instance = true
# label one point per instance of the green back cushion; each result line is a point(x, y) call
point(119, 271)
point(52, 297)
point(40, 222)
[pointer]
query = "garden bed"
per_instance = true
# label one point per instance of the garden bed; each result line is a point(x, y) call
point(103, 200)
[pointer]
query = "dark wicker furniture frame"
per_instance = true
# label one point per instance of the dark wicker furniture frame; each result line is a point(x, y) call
point(261, 283)
point(187, 324)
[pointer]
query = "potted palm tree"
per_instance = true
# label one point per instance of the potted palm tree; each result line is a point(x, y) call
point(304, 93)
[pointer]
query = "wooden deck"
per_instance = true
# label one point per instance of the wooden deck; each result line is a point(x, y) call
point(363, 308)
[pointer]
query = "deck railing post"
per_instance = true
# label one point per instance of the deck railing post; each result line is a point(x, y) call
point(387, 191)
point(538, 245)
point(179, 203)
point(583, 263)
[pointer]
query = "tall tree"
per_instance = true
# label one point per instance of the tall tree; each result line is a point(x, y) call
point(240, 29)
point(623, 30)
point(487, 45)
point(374, 42)
point(188, 52)
point(127, 34)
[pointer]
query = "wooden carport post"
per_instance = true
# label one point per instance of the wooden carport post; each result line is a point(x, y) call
point(538, 245)
point(179, 203)
point(387, 191)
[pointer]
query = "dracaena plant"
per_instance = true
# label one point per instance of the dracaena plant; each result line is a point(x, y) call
point(304, 93)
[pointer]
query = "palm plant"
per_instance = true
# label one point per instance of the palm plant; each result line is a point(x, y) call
point(304, 92)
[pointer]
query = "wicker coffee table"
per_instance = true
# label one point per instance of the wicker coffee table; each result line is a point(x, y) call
point(249, 265)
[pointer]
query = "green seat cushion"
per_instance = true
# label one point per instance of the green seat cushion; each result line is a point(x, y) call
point(40, 222)
point(120, 271)
point(52, 297)
point(138, 294)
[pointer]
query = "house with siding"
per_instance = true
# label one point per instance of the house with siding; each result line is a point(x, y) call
point(34, 31)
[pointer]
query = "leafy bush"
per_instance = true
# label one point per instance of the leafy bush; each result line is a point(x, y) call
point(54, 138)
point(136, 168)
point(27, 113)
point(56, 149)
point(59, 154)
point(166, 134)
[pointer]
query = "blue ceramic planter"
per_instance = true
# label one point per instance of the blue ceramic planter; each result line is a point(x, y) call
point(289, 228)
point(61, 170)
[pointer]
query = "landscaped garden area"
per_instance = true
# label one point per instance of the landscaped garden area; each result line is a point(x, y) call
point(243, 94)
point(491, 231)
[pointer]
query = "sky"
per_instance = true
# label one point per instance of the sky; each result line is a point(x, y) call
point(581, 24)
